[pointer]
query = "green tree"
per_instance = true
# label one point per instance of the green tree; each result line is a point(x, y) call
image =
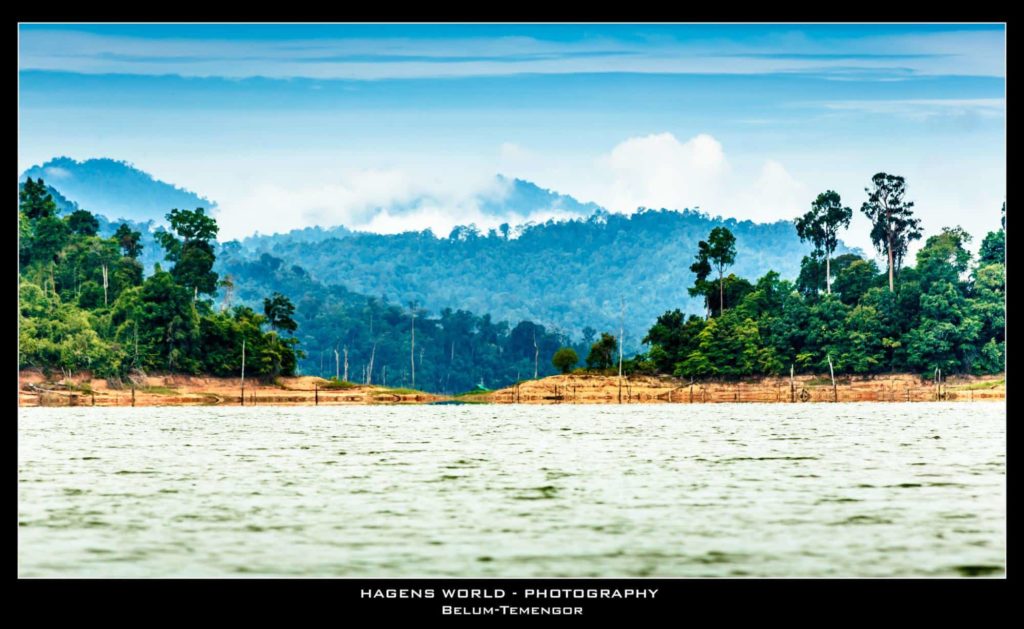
point(944, 257)
point(717, 253)
point(892, 219)
point(602, 352)
point(946, 332)
point(83, 223)
point(170, 324)
point(190, 249)
point(993, 247)
point(810, 279)
point(565, 359)
point(701, 269)
point(49, 238)
point(821, 227)
point(279, 311)
point(671, 338)
point(855, 278)
point(721, 254)
point(24, 239)
point(36, 201)
point(129, 240)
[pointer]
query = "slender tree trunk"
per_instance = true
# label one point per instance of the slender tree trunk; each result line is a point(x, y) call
point(888, 241)
point(337, 366)
point(412, 349)
point(536, 354)
point(828, 273)
point(832, 373)
point(622, 331)
point(373, 351)
point(451, 361)
point(243, 372)
point(229, 288)
point(369, 371)
point(345, 376)
point(890, 265)
point(105, 283)
point(721, 293)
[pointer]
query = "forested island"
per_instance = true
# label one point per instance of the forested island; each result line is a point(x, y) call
point(87, 305)
point(844, 314)
point(84, 304)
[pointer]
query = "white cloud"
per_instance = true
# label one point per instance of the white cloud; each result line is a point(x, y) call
point(56, 172)
point(660, 171)
point(776, 194)
point(656, 171)
point(513, 151)
point(925, 108)
point(383, 201)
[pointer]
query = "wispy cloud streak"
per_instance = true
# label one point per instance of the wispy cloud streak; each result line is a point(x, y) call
point(953, 52)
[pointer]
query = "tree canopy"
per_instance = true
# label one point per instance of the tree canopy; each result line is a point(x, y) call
point(892, 219)
point(85, 303)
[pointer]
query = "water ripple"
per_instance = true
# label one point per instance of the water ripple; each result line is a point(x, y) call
point(662, 490)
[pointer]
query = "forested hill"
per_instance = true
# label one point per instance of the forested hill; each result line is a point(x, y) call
point(566, 274)
point(347, 334)
point(114, 189)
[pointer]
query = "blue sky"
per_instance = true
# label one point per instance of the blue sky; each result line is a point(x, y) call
point(290, 125)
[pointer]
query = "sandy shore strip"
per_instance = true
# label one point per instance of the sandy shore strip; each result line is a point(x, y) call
point(599, 389)
point(177, 390)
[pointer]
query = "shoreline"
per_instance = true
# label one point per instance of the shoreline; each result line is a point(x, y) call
point(178, 390)
point(600, 389)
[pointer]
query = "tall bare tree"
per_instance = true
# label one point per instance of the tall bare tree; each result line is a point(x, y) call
point(412, 341)
point(536, 354)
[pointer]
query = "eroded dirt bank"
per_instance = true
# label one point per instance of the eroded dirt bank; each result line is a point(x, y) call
point(83, 390)
point(595, 389)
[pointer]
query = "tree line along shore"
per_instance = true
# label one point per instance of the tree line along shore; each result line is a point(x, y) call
point(86, 306)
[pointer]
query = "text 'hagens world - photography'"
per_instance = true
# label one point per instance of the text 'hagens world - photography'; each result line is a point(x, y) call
point(511, 300)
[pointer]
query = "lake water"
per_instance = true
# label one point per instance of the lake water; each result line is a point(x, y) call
point(662, 490)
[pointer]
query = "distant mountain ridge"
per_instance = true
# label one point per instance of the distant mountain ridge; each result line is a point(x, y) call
point(526, 197)
point(514, 198)
point(115, 189)
point(568, 274)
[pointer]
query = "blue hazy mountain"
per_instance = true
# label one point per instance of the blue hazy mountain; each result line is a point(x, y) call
point(565, 274)
point(508, 197)
point(115, 189)
point(524, 197)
